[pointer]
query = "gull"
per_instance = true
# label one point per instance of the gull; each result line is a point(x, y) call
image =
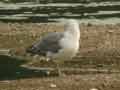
point(58, 46)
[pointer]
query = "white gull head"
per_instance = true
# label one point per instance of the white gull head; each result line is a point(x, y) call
point(72, 28)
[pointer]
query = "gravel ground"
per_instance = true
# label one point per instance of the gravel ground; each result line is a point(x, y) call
point(72, 82)
point(99, 52)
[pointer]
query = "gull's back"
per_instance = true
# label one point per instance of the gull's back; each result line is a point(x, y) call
point(49, 43)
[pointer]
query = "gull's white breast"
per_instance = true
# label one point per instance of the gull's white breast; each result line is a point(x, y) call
point(68, 50)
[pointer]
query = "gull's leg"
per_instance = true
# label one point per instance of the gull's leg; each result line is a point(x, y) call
point(60, 73)
point(58, 69)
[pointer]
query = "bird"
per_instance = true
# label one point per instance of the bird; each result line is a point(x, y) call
point(58, 46)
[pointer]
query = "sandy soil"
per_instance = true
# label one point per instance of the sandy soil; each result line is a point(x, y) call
point(73, 82)
point(99, 52)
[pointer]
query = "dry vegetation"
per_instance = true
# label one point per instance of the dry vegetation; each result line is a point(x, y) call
point(96, 66)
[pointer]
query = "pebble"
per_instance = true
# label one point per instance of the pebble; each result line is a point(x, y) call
point(93, 89)
point(5, 81)
point(48, 72)
point(53, 85)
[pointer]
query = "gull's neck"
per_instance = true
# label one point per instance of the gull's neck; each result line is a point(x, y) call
point(72, 30)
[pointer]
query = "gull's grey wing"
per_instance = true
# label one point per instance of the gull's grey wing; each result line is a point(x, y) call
point(48, 43)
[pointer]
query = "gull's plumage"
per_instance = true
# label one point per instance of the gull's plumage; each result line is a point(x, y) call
point(59, 45)
point(50, 43)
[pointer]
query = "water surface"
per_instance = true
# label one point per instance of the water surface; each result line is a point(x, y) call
point(105, 11)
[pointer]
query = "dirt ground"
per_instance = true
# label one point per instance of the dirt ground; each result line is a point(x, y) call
point(96, 66)
point(72, 82)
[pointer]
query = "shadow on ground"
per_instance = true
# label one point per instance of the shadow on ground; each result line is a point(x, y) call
point(10, 69)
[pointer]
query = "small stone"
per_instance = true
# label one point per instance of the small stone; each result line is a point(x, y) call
point(48, 72)
point(5, 81)
point(21, 41)
point(53, 85)
point(93, 89)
